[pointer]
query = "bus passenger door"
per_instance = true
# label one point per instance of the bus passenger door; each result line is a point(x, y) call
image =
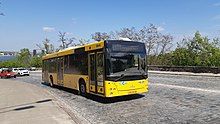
point(96, 72)
point(45, 72)
point(92, 73)
point(60, 69)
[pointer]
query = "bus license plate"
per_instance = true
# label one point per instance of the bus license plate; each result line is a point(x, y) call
point(132, 92)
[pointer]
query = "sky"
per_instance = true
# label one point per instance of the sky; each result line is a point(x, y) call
point(28, 22)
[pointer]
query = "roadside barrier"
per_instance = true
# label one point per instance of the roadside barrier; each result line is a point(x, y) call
point(194, 69)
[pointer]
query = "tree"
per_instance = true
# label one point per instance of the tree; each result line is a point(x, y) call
point(65, 42)
point(24, 57)
point(216, 42)
point(98, 36)
point(165, 44)
point(71, 40)
point(156, 43)
point(46, 46)
point(130, 33)
point(10, 63)
point(197, 51)
point(150, 36)
point(83, 41)
point(36, 61)
point(1, 13)
point(62, 39)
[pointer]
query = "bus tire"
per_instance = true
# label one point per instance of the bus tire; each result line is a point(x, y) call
point(82, 87)
point(51, 81)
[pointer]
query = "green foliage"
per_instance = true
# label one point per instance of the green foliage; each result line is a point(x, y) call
point(23, 59)
point(197, 51)
point(36, 61)
point(181, 57)
point(8, 64)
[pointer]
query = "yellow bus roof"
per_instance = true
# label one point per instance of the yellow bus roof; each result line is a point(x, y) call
point(71, 50)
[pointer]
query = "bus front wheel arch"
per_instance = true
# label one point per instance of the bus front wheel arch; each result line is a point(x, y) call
point(51, 81)
point(82, 87)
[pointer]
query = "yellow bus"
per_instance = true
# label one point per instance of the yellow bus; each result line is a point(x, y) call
point(106, 68)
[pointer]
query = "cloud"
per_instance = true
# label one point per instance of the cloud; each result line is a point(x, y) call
point(217, 26)
point(69, 33)
point(164, 23)
point(73, 20)
point(48, 29)
point(217, 17)
point(216, 4)
point(160, 28)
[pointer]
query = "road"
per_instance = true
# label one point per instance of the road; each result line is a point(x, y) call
point(26, 105)
point(171, 99)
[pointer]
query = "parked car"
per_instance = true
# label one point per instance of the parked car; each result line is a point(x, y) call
point(15, 70)
point(23, 72)
point(7, 73)
point(32, 69)
point(3, 69)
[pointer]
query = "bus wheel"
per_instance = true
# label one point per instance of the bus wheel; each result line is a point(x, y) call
point(51, 81)
point(82, 88)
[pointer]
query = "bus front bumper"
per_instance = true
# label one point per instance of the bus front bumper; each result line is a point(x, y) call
point(121, 88)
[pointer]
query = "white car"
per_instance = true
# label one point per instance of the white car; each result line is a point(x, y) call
point(23, 71)
point(15, 70)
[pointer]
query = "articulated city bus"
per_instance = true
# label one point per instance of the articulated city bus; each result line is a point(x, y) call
point(106, 68)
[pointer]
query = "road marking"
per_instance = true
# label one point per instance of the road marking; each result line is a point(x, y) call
point(185, 88)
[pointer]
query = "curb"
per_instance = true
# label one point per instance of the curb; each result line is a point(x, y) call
point(56, 102)
point(75, 116)
point(184, 73)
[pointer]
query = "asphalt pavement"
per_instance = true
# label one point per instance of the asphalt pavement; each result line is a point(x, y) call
point(172, 98)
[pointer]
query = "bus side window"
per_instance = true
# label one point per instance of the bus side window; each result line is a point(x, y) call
point(66, 64)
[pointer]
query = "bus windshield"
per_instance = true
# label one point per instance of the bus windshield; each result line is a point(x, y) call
point(125, 63)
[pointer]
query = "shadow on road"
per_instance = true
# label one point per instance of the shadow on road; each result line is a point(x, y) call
point(114, 99)
point(99, 98)
point(22, 106)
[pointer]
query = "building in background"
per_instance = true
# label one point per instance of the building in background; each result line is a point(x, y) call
point(7, 55)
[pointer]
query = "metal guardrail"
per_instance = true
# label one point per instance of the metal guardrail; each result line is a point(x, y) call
point(194, 69)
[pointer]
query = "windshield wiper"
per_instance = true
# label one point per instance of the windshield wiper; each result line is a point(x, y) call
point(122, 76)
point(143, 74)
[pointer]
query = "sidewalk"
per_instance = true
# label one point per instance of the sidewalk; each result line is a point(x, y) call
point(22, 103)
point(185, 73)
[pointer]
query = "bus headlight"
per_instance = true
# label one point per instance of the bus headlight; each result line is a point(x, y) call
point(141, 82)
